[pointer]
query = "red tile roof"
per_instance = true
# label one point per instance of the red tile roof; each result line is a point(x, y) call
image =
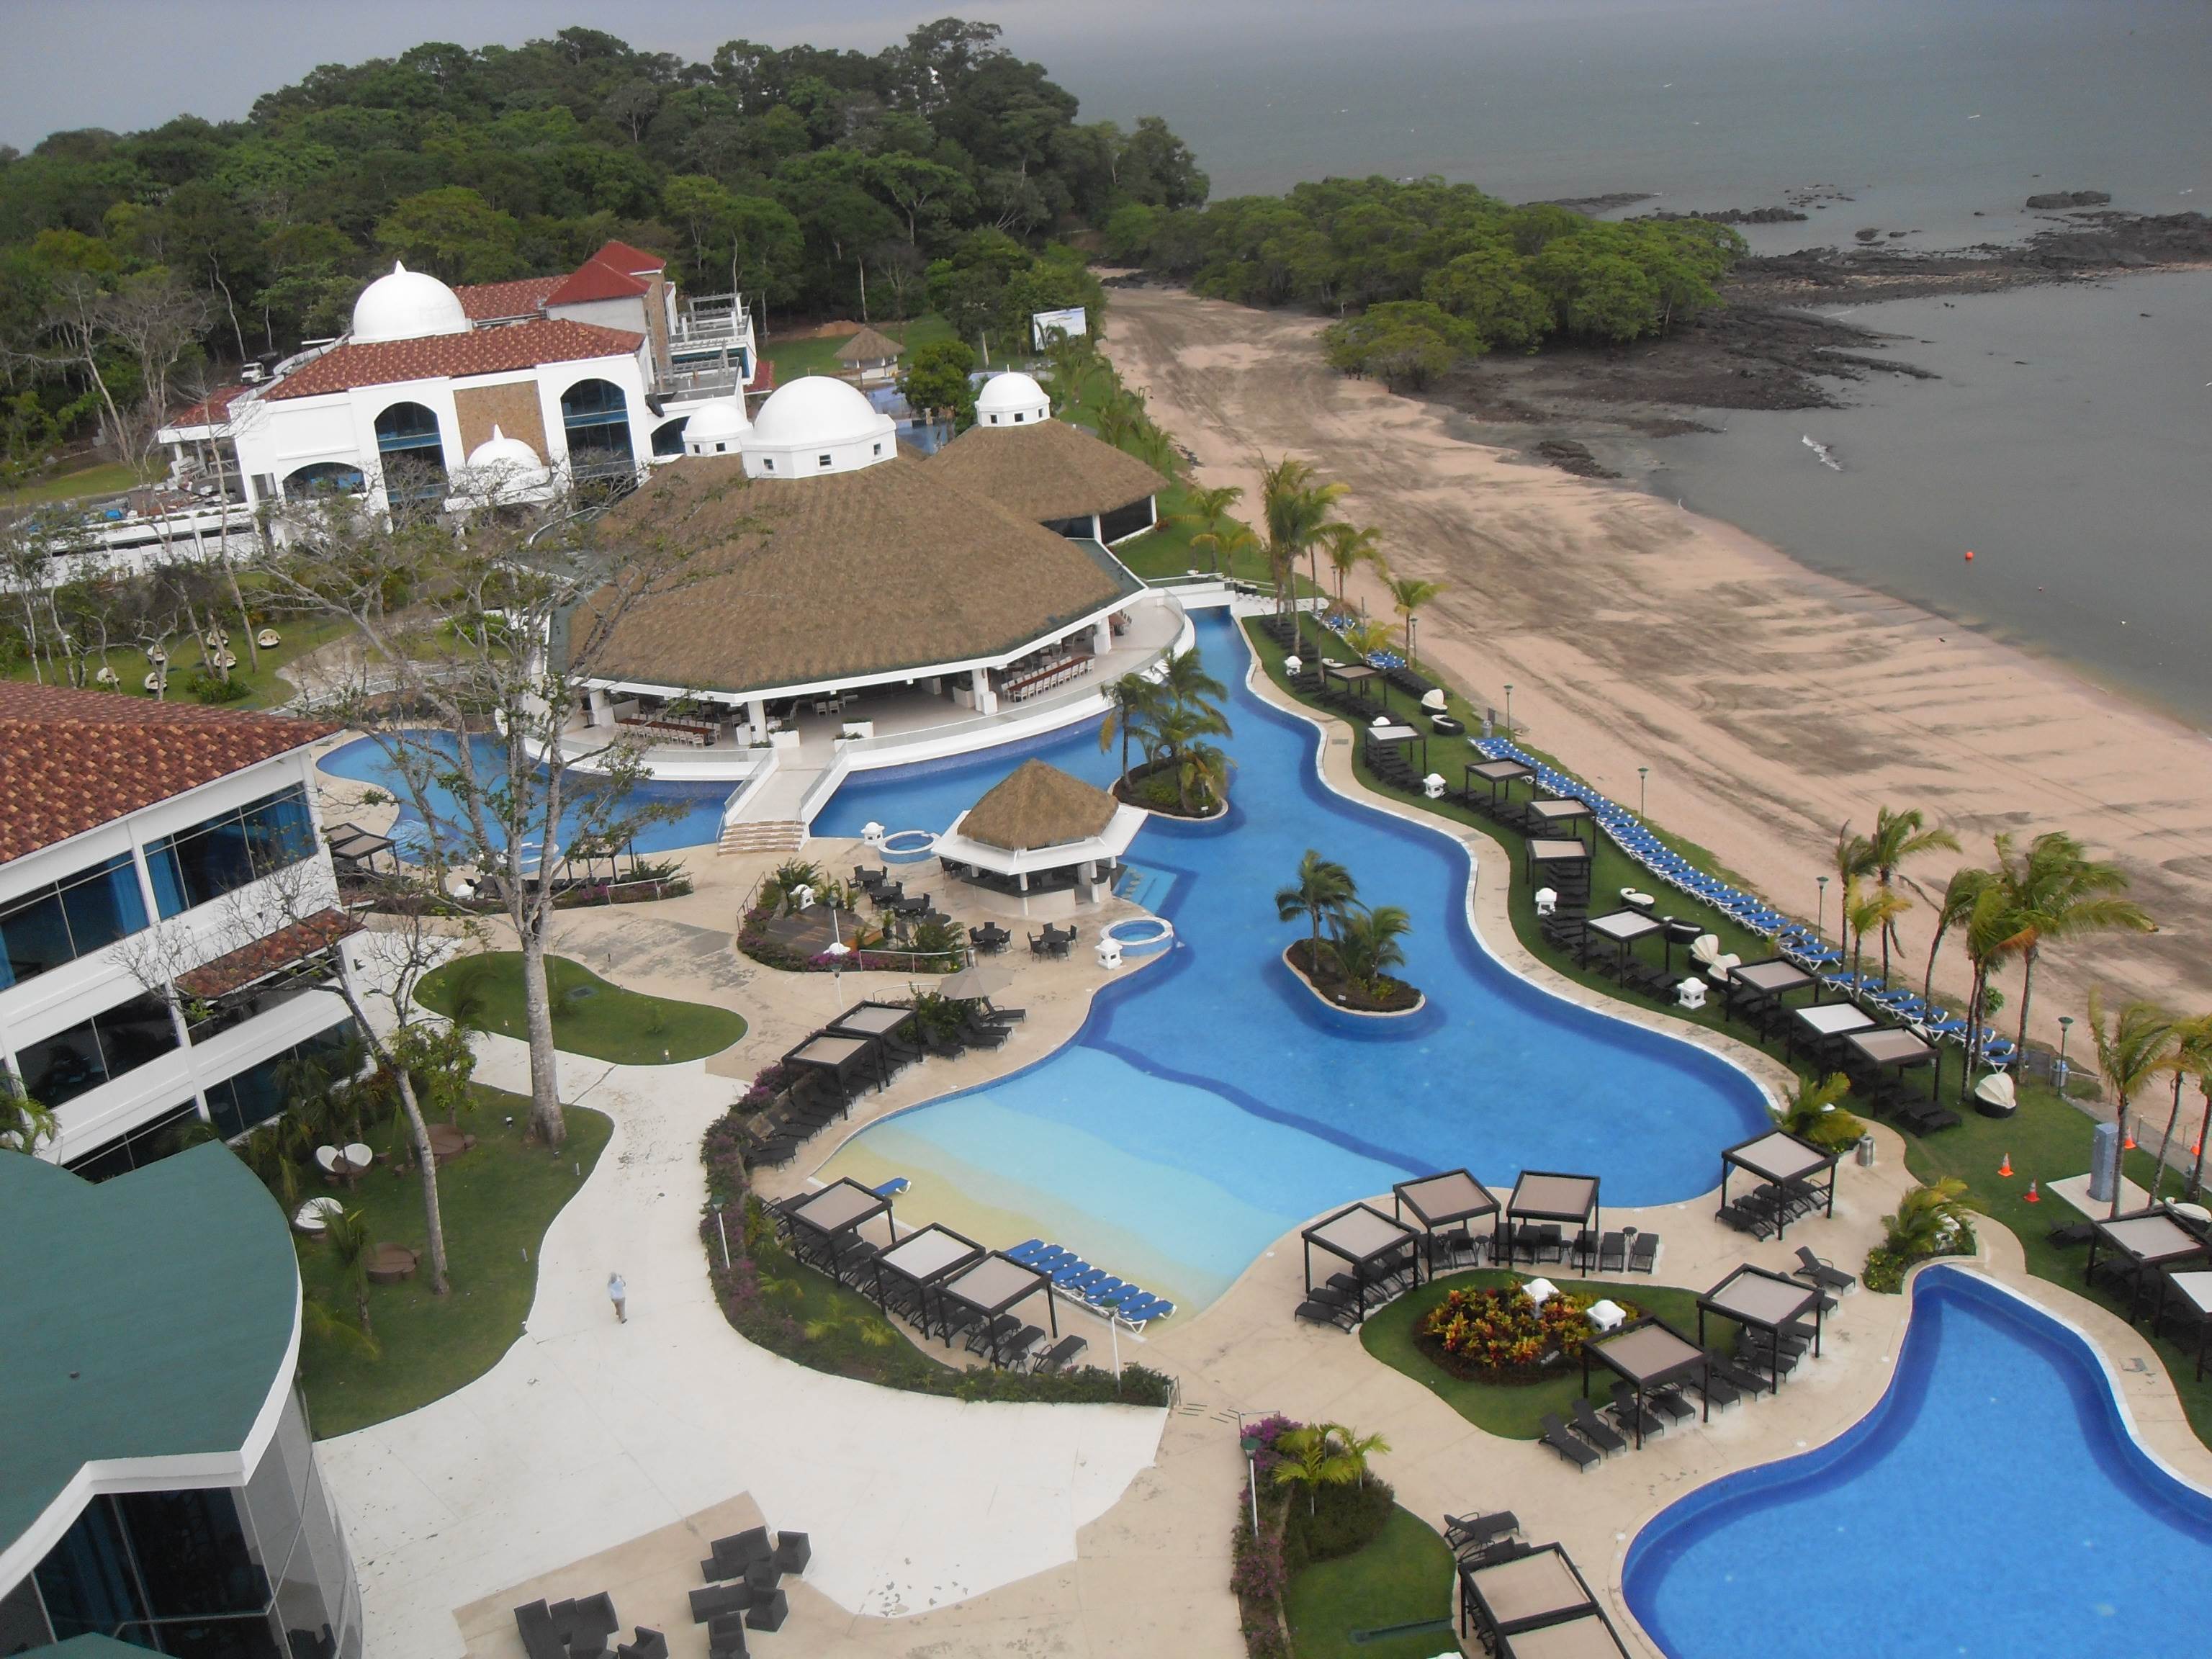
point(209, 410)
point(264, 955)
point(480, 351)
point(622, 257)
point(484, 302)
point(594, 281)
point(72, 761)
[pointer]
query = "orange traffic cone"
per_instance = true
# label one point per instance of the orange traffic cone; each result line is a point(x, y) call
point(2005, 1168)
point(2128, 1144)
point(2031, 1196)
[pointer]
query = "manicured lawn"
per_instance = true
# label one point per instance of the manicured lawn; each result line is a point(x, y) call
point(793, 358)
point(497, 1199)
point(1403, 1578)
point(591, 1016)
point(108, 478)
point(1516, 1411)
point(266, 688)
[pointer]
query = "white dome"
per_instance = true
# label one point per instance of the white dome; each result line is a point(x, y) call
point(407, 305)
point(814, 425)
point(716, 427)
point(1012, 399)
point(501, 453)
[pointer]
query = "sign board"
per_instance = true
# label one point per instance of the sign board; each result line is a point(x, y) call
point(1047, 325)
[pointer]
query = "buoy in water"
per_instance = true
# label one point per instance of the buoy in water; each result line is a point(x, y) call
point(1970, 556)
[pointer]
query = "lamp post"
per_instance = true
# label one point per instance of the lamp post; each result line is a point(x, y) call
point(1642, 773)
point(1821, 917)
point(838, 953)
point(1509, 711)
point(724, 1234)
point(2065, 1030)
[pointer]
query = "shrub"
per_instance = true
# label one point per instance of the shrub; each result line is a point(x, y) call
point(1499, 1335)
point(216, 687)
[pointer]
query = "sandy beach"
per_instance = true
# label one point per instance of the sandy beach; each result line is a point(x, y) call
point(1770, 704)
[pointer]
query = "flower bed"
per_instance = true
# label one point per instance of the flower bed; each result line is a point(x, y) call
point(1497, 1334)
point(1329, 1519)
point(1396, 996)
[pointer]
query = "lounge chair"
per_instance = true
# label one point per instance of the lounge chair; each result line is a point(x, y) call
point(792, 1552)
point(725, 1638)
point(1555, 1436)
point(1813, 1271)
point(769, 1614)
point(1632, 1418)
point(1613, 1254)
point(650, 1644)
point(1727, 1371)
point(2072, 1232)
point(1717, 1390)
point(1465, 1532)
point(1595, 1429)
point(716, 1599)
point(541, 1637)
point(1644, 1254)
point(1670, 1405)
point(1062, 1354)
point(1745, 1221)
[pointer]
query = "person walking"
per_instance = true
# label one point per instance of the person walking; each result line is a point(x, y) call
point(618, 1293)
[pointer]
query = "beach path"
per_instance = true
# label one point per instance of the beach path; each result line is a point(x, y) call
point(1770, 704)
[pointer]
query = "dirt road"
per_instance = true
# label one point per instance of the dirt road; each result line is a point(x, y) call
point(1771, 704)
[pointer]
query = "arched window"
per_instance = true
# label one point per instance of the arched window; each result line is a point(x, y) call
point(414, 453)
point(597, 418)
point(322, 479)
point(668, 436)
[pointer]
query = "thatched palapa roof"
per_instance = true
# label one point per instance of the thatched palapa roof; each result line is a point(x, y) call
point(1037, 805)
point(838, 578)
point(870, 347)
point(1046, 469)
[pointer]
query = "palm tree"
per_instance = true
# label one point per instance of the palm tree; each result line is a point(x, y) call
point(1854, 857)
point(1366, 944)
point(25, 1124)
point(1359, 1447)
point(863, 1328)
point(1926, 1217)
point(1369, 637)
point(2062, 893)
point(2132, 1049)
point(1222, 546)
point(1875, 908)
point(1323, 892)
point(1210, 509)
point(1202, 775)
point(1814, 1112)
point(1407, 595)
point(1959, 894)
point(1313, 1457)
point(1992, 934)
point(1348, 549)
point(1186, 684)
point(2192, 1057)
point(1132, 704)
point(1177, 732)
point(346, 1232)
point(1295, 508)
point(1898, 836)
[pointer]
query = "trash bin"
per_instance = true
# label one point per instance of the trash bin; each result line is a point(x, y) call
point(1866, 1152)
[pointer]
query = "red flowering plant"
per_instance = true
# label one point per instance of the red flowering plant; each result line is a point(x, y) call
point(1499, 1335)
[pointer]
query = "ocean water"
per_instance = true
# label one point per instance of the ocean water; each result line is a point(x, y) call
point(2066, 443)
point(1210, 1104)
point(1993, 1504)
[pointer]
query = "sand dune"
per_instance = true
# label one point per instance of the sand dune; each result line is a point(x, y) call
point(1770, 704)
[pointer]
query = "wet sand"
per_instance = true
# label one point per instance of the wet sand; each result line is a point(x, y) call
point(1772, 704)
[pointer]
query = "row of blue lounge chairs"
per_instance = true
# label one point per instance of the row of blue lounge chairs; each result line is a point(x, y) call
point(1793, 940)
point(1072, 1276)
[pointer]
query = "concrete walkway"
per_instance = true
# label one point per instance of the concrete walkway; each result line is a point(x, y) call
point(589, 1434)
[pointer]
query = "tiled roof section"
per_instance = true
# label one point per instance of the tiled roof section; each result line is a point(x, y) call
point(209, 410)
point(72, 761)
point(480, 351)
point(484, 302)
point(264, 955)
point(622, 257)
point(594, 281)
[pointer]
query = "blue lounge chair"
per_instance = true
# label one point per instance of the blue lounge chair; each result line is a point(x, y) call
point(1023, 1251)
point(1107, 1290)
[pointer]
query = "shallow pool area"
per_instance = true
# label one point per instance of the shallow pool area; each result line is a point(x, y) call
point(1209, 1104)
point(1994, 1502)
point(695, 809)
point(1142, 935)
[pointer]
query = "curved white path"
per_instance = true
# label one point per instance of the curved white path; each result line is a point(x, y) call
point(588, 1433)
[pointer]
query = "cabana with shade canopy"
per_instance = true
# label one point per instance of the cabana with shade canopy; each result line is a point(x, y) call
point(1791, 1163)
point(2195, 1291)
point(1496, 776)
point(829, 1222)
point(1753, 1296)
point(1361, 678)
point(1820, 1025)
point(1590, 1636)
point(873, 1020)
point(2146, 1240)
point(1622, 929)
point(993, 1287)
point(1370, 1243)
point(1566, 861)
point(1553, 817)
point(1543, 1205)
point(840, 1059)
point(1649, 1354)
point(920, 1262)
point(1451, 1199)
point(1390, 733)
point(1760, 986)
point(1881, 1050)
point(1515, 1600)
point(355, 851)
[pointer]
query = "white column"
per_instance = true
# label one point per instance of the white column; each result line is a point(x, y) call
point(987, 700)
point(756, 717)
point(1102, 635)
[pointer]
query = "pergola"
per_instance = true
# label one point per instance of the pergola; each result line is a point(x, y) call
point(1826, 1020)
point(1587, 1635)
point(1453, 1198)
point(1763, 983)
point(924, 1259)
point(1499, 774)
point(1547, 1196)
point(1785, 1159)
point(1358, 677)
point(2147, 1238)
point(1649, 1354)
point(1754, 1296)
point(1549, 816)
point(1363, 1236)
point(1623, 928)
point(1552, 851)
point(838, 1212)
point(1884, 1048)
point(1540, 1591)
point(872, 1020)
point(357, 849)
point(1398, 732)
point(2195, 1289)
point(996, 1284)
point(839, 1056)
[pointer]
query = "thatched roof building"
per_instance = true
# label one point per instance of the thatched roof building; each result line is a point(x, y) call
point(882, 570)
point(1050, 472)
point(869, 348)
point(1037, 805)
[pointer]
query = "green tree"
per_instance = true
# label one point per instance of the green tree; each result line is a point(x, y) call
point(1815, 1112)
point(1405, 344)
point(1317, 1455)
point(1132, 704)
point(346, 1235)
point(26, 1125)
point(1898, 836)
point(1366, 944)
point(2059, 893)
point(2192, 1057)
point(1323, 891)
point(1348, 548)
point(2134, 1046)
point(936, 377)
point(454, 234)
point(1927, 1219)
point(1295, 509)
point(1407, 595)
point(1960, 894)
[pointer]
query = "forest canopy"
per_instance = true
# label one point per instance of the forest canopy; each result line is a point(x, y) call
point(1441, 272)
point(803, 177)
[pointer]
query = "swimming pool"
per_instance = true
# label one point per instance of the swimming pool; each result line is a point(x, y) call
point(698, 806)
point(1210, 1104)
point(1994, 1502)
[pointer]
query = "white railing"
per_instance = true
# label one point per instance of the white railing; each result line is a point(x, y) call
point(734, 808)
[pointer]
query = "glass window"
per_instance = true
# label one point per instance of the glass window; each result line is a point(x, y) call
point(23, 1621)
point(61, 1068)
point(86, 1580)
point(36, 935)
point(191, 1549)
point(144, 1145)
point(197, 865)
point(258, 1093)
point(58, 923)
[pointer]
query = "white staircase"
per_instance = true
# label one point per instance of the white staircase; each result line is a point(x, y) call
point(763, 836)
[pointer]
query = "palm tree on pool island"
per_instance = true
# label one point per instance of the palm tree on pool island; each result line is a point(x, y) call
point(1323, 892)
point(1366, 944)
point(1132, 704)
